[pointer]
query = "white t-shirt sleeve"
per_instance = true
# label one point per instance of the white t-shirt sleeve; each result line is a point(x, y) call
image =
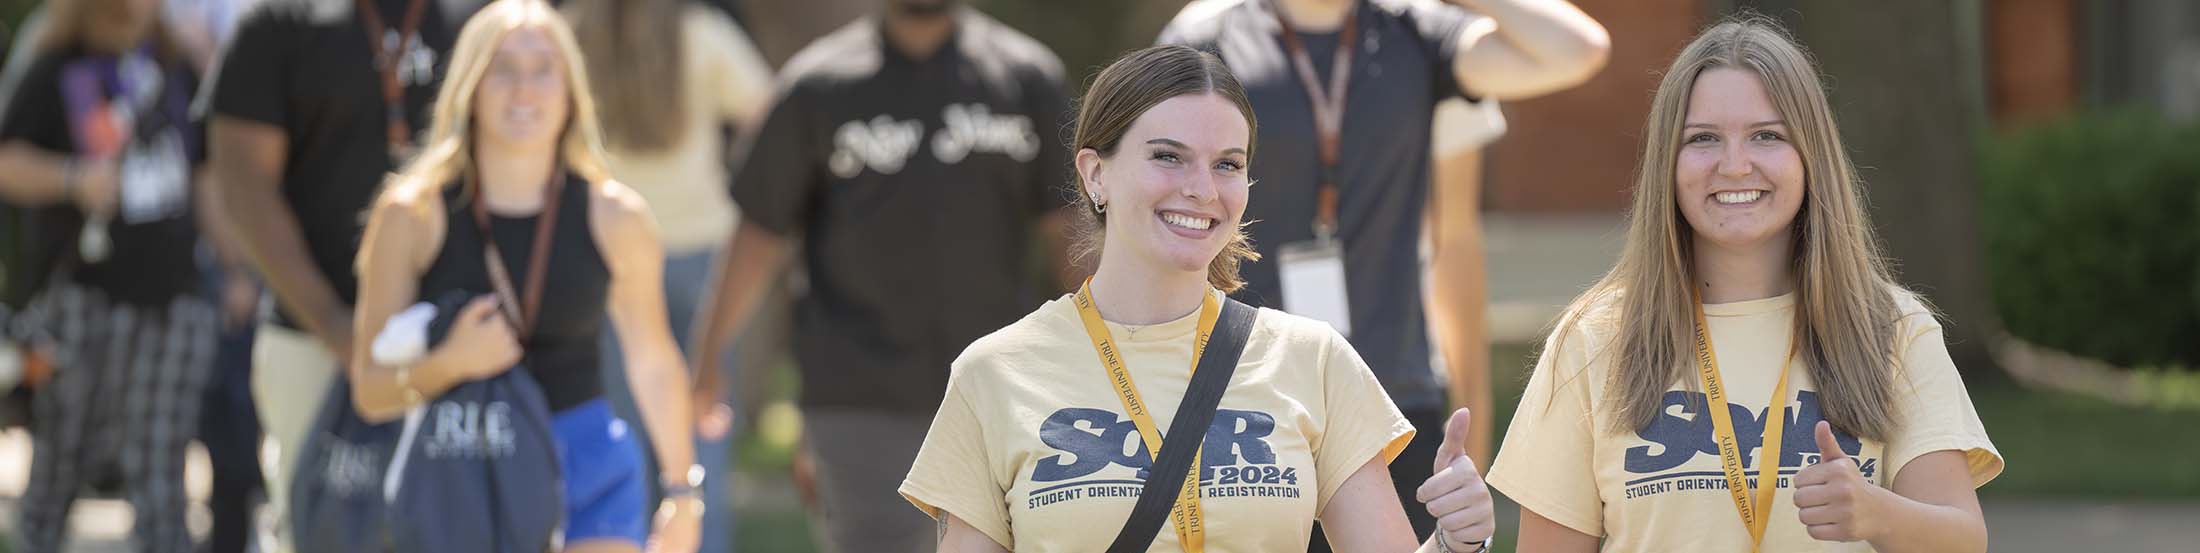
point(1546, 463)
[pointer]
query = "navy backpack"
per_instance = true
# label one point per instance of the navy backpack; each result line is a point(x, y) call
point(474, 469)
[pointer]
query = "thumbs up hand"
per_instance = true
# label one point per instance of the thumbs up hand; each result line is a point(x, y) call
point(1832, 497)
point(1455, 494)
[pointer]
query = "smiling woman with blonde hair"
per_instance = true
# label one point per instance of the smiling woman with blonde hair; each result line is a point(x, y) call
point(1750, 279)
point(513, 167)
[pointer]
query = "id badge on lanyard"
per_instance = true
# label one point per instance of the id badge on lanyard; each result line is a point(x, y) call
point(1312, 273)
point(1314, 282)
point(390, 47)
point(106, 126)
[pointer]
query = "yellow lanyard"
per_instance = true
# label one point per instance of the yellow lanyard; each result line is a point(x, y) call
point(1191, 530)
point(1754, 511)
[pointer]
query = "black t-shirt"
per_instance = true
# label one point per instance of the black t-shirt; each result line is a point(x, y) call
point(1401, 69)
point(134, 110)
point(915, 187)
point(305, 66)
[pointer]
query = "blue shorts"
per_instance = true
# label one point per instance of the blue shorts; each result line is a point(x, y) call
point(605, 497)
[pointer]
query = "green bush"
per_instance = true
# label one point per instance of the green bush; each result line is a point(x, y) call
point(2092, 241)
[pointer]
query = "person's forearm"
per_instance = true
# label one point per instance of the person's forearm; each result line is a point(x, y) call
point(31, 176)
point(708, 383)
point(379, 395)
point(665, 408)
point(214, 226)
point(752, 262)
point(1429, 546)
point(1918, 527)
point(1458, 314)
point(1458, 302)
point(1552, 32)
point(269, 233)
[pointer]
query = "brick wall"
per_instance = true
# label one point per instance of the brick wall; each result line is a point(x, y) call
point(1575, 151)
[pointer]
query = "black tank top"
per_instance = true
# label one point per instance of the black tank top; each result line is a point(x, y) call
point(562, 355)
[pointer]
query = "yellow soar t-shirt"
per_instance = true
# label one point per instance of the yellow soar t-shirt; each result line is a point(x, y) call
point(1661, 488)
point(1032, 448)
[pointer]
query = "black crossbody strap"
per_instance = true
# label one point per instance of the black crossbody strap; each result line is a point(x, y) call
point(1187, 430)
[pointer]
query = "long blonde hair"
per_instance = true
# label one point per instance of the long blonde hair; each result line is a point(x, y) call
point(1846, 313)
point(636, 47)
point(447, 153)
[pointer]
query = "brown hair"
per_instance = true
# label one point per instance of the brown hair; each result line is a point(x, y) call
point(1845, 298)
point(69, 24)
point(1118, 97)
point(636, 50)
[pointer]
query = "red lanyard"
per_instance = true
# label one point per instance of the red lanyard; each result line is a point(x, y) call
point(1328, 106)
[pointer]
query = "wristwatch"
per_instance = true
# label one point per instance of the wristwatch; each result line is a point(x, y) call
point(691, 485)
point(1479, 547)
point(684, 494)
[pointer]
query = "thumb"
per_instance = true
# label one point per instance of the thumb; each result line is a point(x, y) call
point(1828, 448)
point(1455, 438)
point(478, 309)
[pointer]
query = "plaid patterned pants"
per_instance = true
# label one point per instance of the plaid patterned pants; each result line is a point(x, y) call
point(125, 394)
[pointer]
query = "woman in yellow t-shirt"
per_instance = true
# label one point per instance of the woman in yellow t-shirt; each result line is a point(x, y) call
point(1750, 283)
point(1031, 449)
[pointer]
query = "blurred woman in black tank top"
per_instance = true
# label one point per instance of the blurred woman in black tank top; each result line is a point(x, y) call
point(515, 136)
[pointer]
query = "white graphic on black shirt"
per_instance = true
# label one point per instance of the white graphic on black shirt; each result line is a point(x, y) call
point(155, 179)
point(974, 128)
point(883, 144)
point(417, 66)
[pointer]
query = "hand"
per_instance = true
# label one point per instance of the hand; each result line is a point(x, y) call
point(1455, 494)
point(240, 300)
point(713, 420)
point(481, 343)
point(1832, 497)
point(335, 331)
point(679, 526)
point(97, 184)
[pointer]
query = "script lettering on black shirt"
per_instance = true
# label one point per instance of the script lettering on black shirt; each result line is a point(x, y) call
point(915, 186)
